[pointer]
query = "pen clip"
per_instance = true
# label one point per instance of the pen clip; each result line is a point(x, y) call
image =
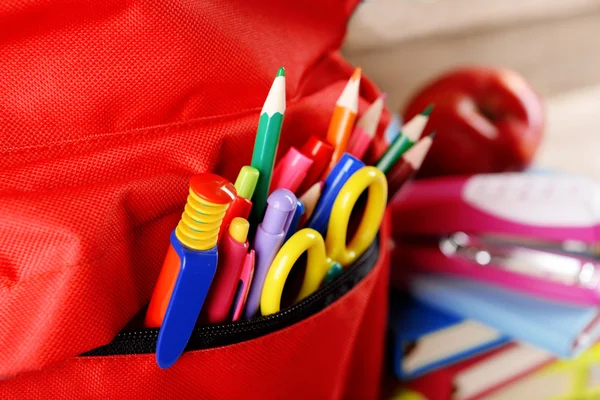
point(289, 218)
point(546, 264)
point(241, 293)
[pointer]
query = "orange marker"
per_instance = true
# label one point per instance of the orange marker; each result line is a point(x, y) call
point(342, 120)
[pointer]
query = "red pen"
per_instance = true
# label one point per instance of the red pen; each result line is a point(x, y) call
point(232, 254)
point(321, 153)
point(290, 171)
point(243, 287)
point(241, 205)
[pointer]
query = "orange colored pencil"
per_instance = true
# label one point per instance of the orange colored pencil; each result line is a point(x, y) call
point(342, 120)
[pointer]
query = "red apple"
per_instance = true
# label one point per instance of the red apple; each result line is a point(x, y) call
point(487, 120)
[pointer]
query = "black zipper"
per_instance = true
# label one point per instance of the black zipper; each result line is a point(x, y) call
point(209, 336)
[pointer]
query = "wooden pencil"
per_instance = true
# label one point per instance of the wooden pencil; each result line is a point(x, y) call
point(310, 200)
point(267, 141)
point(365, 129)
point(405, 140)
point(342, 120)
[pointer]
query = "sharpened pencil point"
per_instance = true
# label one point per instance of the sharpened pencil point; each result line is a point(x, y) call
point(383, 96)
point(356, 74)
point(428, 110)
point(432, 135)
point(281, 71)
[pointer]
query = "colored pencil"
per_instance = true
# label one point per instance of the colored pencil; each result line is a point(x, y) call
point(265, 145)
point(382, 140)
point(365, 129)
point(407, 138)
point(414, 128)
point(310, 200)
point(392, 129)
point(342, 120)
point(408, 165)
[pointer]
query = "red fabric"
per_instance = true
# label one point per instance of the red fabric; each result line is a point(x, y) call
point(108, 107)
point(335, 354)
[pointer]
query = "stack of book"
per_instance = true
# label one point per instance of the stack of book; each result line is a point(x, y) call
point(455, 339)
point(507, 308)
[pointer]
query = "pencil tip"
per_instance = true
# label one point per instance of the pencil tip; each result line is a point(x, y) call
point(428, 110)
point(356, 74)
point(432, 135)
point(281, 71)
point(383, 96)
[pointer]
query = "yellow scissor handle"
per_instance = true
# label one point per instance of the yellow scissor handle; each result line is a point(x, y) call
point(317, 265)
point(366, 177)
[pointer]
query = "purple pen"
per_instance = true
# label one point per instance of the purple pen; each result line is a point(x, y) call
point(269, 238)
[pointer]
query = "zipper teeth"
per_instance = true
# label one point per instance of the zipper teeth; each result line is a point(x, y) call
point(151, 334)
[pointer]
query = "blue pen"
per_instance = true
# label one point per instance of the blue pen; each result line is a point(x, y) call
point(295, 221)
point(196, 271)
point(334, 182)
point(189, 266)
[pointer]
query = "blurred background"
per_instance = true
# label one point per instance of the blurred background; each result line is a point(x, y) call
point(554, 44)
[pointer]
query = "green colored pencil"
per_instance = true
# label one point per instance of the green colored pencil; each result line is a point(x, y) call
point(409, 134)
point(265, 146)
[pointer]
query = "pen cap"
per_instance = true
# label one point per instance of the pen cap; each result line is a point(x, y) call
point(291, 170)
point(239, 207)
point(316, 148)
point(246, 182)
point(212, 190)
point(347, 165)
point(208, 200)
point(280, 204)
point(294, 221)
point(290, 217)
point(294, 158)
point(238, 229)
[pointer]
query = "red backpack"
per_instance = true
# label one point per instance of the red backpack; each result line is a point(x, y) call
point(107, 109)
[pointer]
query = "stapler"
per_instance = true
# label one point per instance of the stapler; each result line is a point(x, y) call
point(534, 233)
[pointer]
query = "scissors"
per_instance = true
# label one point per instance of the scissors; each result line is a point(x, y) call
point(324, 254)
